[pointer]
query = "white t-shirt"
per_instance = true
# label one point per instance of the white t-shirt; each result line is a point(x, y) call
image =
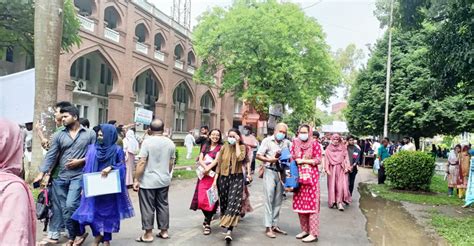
point(159, 151)
point(409, 147)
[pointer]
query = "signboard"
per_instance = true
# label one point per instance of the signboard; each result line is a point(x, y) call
point(143, 116)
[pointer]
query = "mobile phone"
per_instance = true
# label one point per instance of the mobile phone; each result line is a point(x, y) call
point(36, 184)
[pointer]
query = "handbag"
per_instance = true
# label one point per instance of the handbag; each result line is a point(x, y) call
point(43, 205)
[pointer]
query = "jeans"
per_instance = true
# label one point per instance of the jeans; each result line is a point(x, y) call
point(67, 198)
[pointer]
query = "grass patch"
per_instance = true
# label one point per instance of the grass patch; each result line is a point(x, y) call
point(437, 196)
point(184, 174)
point(458, 231)
point(182, 161)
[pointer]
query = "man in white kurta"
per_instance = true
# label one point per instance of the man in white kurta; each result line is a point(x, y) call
point(189, 143)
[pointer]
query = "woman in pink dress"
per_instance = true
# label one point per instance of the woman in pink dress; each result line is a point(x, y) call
point(306, 199)
point(337, 167)
point(17, 209)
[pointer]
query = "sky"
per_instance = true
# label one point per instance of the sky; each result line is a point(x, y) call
point(343, 21)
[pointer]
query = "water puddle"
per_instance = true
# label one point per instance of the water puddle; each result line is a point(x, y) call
point(389, 224)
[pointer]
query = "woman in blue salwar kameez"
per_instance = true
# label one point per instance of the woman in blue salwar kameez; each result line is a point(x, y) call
point(103, 213)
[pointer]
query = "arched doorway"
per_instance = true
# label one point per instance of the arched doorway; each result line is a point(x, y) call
point(181, 99)
point(146, 90)
point(93, 79)
point(207, 106)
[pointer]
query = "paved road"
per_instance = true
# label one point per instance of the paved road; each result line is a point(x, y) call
point(337, 228)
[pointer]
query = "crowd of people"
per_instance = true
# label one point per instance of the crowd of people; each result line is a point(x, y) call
point(226, 164)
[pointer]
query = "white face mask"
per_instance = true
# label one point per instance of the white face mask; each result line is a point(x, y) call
point(231, 140)
point(303, 136)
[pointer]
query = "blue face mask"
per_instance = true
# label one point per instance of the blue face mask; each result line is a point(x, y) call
point(280, 136)
point(231, 141)
point(303, 136)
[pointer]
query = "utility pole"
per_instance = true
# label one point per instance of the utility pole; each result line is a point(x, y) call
point(389, 61)
point(48, 28)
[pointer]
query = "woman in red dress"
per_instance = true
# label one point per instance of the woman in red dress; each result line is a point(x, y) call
point(307, 154)
point(207, 160)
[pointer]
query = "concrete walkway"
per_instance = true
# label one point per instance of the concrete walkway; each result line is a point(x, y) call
point(337, 228)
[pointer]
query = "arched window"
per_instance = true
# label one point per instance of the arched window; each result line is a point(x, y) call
point(191, 59)
point(207, 106)
point(141, 33)
point(159, 42)
point(111, 18)
point(85, 7)
point(181, 101)
point(178, 52)
point(146, 91)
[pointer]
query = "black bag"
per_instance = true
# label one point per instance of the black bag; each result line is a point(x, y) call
point(43, 205)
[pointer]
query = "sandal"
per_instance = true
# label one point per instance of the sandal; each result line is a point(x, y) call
point(165, 236)
point(278, 230)
point(48, 241)
point(302, 235)
point(141, 240)
point(80, 240)
point(206, 230)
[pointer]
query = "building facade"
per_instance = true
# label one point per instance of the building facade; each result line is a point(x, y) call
point(131, 56)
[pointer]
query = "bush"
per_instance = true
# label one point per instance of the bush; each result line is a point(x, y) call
point(410, 170)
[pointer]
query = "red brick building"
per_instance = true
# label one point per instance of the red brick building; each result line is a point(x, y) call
point(133, 55)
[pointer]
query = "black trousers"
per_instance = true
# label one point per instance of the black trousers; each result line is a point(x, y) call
point(381, 175)
point(352, 177)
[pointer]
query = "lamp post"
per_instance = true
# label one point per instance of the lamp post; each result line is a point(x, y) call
point(387, 85)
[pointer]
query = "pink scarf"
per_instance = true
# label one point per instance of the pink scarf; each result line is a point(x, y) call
point(336, 152)
point(303, 148)
point(11, 154)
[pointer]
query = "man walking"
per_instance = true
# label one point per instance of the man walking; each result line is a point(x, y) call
point(268, 153)
point(65, 160)
point(189, 143)
point(354, 159)
point(152, 180)
point(382, 154)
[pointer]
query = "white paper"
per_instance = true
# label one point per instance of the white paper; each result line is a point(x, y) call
point(96, 185)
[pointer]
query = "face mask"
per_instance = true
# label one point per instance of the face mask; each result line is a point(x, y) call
point(303, 136)
point(231, 141)
point(100, 140)
point(280, 136)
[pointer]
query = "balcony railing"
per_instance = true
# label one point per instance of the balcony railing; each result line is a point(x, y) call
point(112, 35)
point(141, 47)
point(178, 64)
point(86, 23)
point(159, 55)
point(191, 69)
point(162, 16)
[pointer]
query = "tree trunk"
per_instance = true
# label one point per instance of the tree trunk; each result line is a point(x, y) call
point(417, 142)
point(48, 34)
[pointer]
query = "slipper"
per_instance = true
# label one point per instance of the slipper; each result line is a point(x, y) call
point(81, 239)
point(278, 230)
point(48, 241)
point(141, 240)
point(162, 237)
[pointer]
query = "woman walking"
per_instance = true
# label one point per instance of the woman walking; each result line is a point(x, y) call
point(130, 147)
point(337, 167)
point(464, 168)
point(306, 200)
point(229, 180)
point(208, 162)
point(452, 169)
point(103, 213)
point(17, 209)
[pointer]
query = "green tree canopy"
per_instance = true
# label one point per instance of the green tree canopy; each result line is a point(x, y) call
point(270, 53)
point(431, 88)
point(16, 25)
